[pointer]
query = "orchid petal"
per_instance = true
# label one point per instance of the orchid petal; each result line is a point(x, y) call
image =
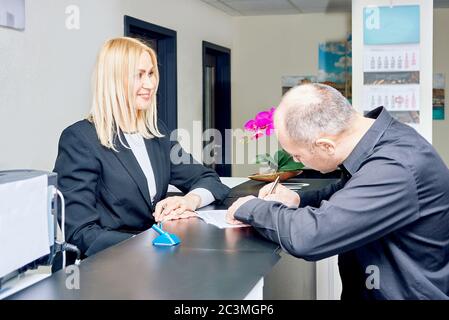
point(251, 125)
point(263, 123)
point(270, 129)
point(263, 115)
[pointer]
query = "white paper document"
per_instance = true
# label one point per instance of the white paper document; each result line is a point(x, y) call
point(218, 219)
point(23, 223)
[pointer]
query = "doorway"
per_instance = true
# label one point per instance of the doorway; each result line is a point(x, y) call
point(217, 104)
point(163, 41)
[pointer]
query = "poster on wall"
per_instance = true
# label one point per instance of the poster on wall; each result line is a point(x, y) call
point(12, 14)
point(439, 85)
point(335, 65)
point(289, 82)
point(391, 61)
point(391, 25)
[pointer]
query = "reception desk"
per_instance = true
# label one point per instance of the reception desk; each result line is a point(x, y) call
point(210, 263)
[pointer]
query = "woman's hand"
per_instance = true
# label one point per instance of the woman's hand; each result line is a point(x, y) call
point(173, 208)
point(280, 194)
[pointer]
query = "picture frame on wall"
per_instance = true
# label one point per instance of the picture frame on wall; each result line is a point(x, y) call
point(335, 65)
point(289, 82)
point(439, 85)
point(12, 14)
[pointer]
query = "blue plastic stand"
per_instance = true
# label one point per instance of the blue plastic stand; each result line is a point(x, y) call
point(164, 239)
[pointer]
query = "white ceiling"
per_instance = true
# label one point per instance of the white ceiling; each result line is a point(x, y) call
point(275, 7)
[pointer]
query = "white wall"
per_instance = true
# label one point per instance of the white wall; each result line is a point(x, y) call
point(269, 47)
point(441, 65)
point(45, 71)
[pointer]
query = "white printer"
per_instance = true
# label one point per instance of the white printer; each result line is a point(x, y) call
point(9, 180)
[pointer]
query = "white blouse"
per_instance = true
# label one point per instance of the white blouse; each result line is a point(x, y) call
point(137, 145)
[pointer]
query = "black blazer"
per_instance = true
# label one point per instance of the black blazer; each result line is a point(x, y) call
point(106, 193)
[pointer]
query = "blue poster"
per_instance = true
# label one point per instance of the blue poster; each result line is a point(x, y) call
point(391, 25)
point(335, 65)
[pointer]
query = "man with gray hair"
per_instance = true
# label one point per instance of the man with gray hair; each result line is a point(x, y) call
point(389, 213)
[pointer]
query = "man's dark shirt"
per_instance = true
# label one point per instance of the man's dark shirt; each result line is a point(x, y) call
point(390, 213)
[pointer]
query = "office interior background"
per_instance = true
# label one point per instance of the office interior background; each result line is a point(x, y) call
point(46, 70)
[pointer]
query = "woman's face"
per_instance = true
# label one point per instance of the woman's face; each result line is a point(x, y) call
point(145, 82)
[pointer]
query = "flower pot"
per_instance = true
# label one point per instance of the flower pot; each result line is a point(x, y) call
point(270, 177)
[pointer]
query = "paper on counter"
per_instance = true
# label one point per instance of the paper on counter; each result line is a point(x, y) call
point(295, 185)
point(218, 219)
point(23, 223)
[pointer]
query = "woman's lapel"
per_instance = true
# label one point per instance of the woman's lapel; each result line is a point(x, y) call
point(154, 150)
point(129, 162)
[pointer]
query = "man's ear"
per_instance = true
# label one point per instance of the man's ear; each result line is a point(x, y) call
point(326, 145)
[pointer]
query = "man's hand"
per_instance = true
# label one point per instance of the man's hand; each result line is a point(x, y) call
point(235, 206)
point(173, 208)
point(280, 194)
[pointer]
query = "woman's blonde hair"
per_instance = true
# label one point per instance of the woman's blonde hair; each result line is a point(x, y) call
point(113, 101)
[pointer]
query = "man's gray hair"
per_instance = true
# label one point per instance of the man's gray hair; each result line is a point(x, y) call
point(314, 109)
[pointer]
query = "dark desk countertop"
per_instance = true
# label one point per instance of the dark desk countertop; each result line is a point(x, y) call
point(314, 179)
point(210, 263)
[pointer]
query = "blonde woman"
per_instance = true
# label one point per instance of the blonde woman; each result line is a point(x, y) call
point(114, 167)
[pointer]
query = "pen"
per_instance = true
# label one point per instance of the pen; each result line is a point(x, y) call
point(274, 185)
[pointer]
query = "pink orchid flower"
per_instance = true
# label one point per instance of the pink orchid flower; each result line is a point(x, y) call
point(262, 124)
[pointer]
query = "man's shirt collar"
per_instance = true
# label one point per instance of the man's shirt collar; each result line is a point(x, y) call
point(369, 140)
